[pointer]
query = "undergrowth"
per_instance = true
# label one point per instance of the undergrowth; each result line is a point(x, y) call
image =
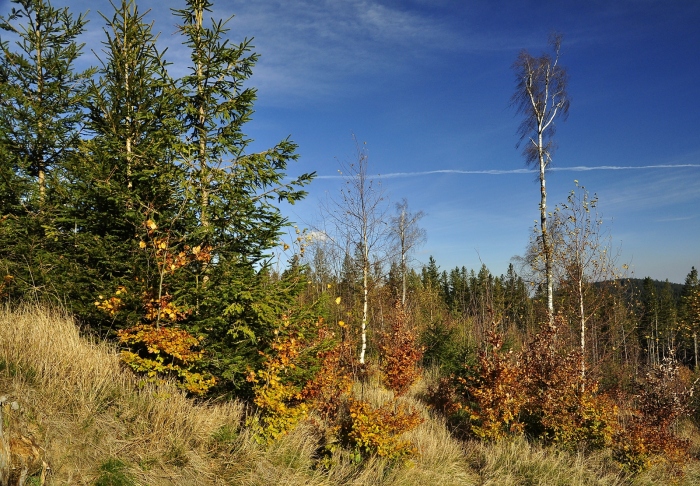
point(98, 424)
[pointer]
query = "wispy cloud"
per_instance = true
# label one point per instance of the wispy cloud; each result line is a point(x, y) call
point(579, 168)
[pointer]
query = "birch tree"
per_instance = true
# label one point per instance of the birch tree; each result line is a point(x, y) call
point(407, 236)
point(540, 96)
point(690, 309)
point(359, 220)
point(582, 257)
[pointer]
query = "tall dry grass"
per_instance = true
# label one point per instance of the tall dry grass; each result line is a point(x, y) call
point(85, 409)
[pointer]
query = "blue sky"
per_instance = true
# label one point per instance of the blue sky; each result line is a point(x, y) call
point(427, 85)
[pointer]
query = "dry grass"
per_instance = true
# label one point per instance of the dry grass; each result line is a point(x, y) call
point(100, 425)
point(85, 409)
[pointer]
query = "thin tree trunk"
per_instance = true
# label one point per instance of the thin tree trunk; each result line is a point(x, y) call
point(365, 309)
point(403, 275)
point(41, 165)
point(201, 136)
point(129, 118)
point(546, 246)
point(583, 330)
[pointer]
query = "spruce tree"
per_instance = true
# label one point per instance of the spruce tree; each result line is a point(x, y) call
point(40, 126)
point(649, 320)
point(232, 198)
point(126, 175)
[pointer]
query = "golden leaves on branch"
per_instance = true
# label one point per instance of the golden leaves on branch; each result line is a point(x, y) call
point(163, 351)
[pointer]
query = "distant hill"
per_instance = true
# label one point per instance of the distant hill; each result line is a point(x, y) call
point(636, 284)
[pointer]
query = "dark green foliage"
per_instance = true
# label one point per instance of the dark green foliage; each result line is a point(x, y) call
point(114, 473)
point(40, 126)
point(126, 174)
point(442, 348)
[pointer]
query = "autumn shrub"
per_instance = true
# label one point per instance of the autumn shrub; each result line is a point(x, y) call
point(493, 392)
point(369, 430)
point(647, 435)
point(331, 387)
point(538, 392)
point(400, 354)
point(158, 348)
point(280, 387)
point(563, 406)
point(351, 423)
point(279, 402)
point(309, 371)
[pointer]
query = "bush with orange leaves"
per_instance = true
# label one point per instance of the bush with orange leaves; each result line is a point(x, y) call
point(538, 392)
point(158, 348)
point(351, 423)
point(400, 354)
point(495, 394)
point(541, 393)
point(647, 435)
point(367, 430)
point(563, 407)
point(158, 352)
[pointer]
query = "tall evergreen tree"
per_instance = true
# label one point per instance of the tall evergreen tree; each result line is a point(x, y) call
point(668, 320)
point(41, 95)
point(126, 175)
point(232, 196)
point(650, 320)
point(430, 274)
point(518, 309)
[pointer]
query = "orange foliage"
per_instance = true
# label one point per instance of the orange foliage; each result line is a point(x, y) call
point(166, 351)
point(495, 393)
point(647, 436)
point(370, 430)
point(540, 392)
point(400, 354)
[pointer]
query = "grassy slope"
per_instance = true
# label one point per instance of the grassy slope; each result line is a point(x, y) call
point(98, 424)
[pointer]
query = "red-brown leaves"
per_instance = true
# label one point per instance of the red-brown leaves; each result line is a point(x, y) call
point(400, 354)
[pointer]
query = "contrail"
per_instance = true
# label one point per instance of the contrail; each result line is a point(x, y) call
point(578, 168)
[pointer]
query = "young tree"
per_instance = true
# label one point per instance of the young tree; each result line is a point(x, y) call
point(668, 318)
point(540, 96)
point(407, 236)
point(127, 171)
point(359, 221)
point(581, 257)
point(649, 321)
point(41, 90)
point(689, 311)
point(516, 299)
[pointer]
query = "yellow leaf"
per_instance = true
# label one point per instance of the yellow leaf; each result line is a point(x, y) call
point(337, 300)
point(142, 244)
point(341, 323)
